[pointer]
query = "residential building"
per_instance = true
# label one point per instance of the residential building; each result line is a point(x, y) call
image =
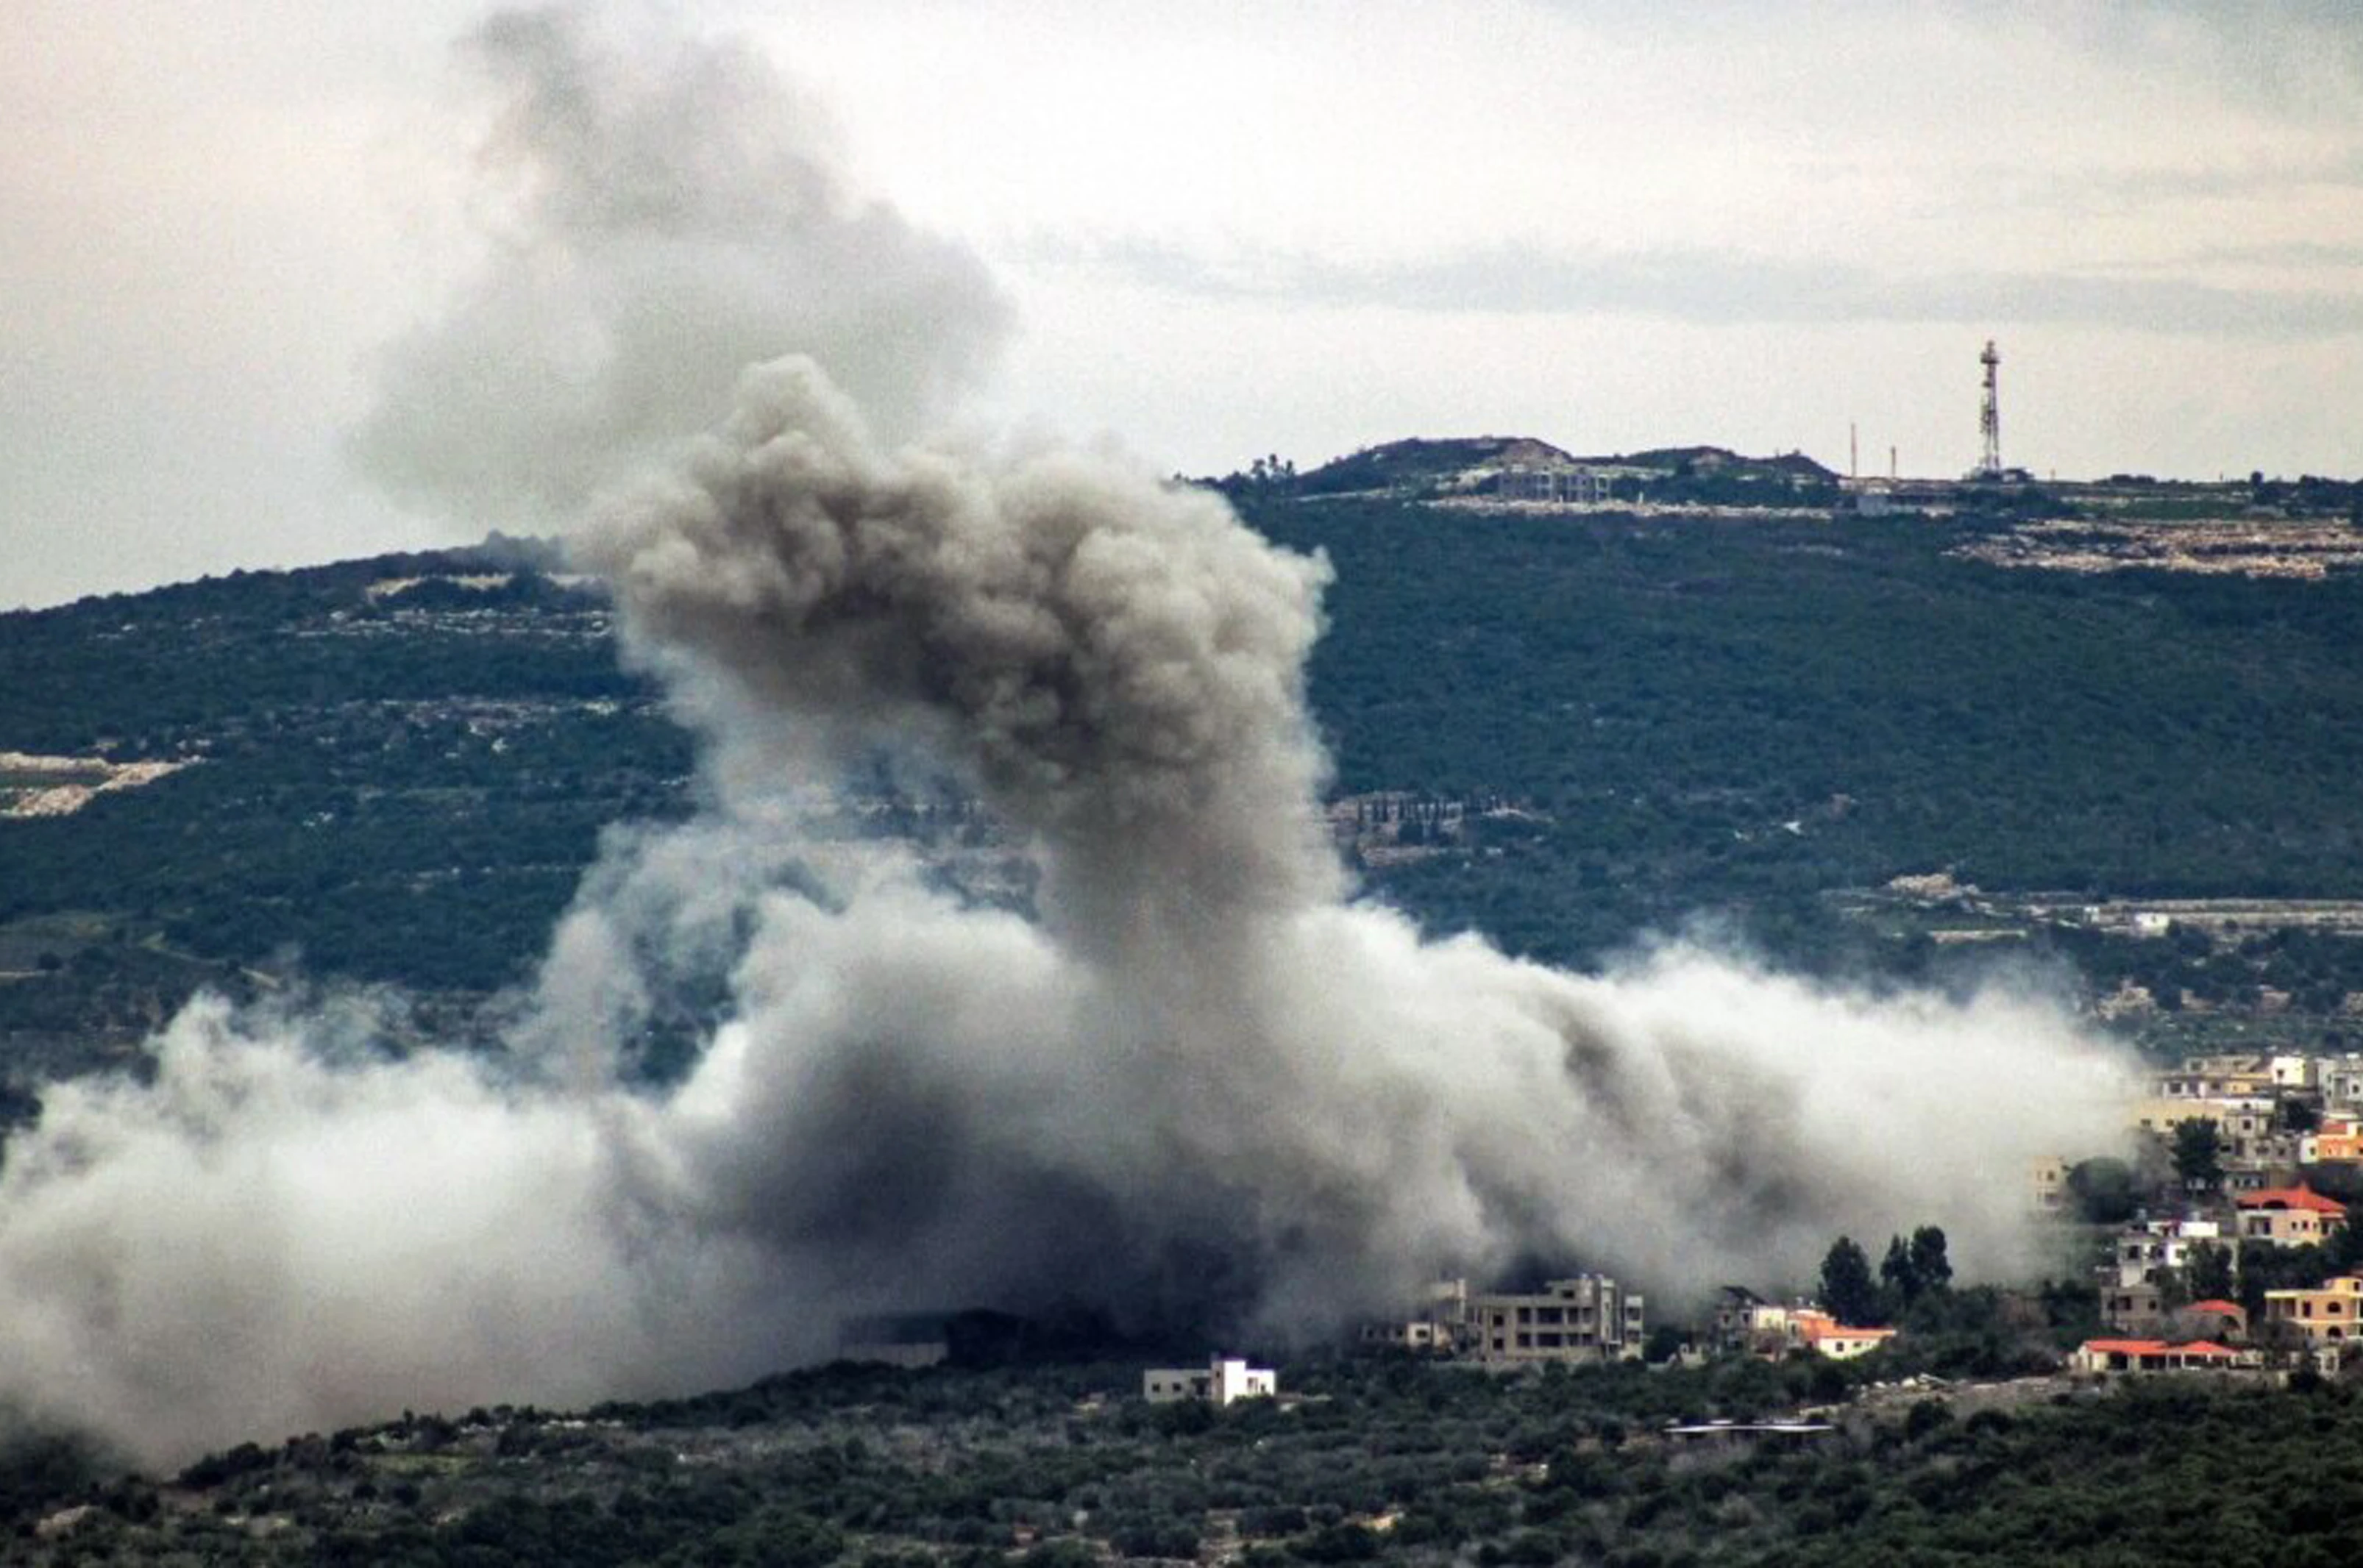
point(1439, 1324)
point(2163, 1113)
point(2046, 1184)
point(2329, 1315)
point(1220, 1381)
point(1588, 1318)
point(1824, 1335)
point(2100, 1357)
point(2217, 1077)
point(2245, 1130)
point(2289, 1216)
point(1774, 1332)
point(2152, 1249)
point(2294, 1072)
point(2226, 1322)
point(2338, 1141)
point(2133, 1308)
point(1736, 1306)
point(2340, 1079)
point(1579, 485)
point(1406, 1334)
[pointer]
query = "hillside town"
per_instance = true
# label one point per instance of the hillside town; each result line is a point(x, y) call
point(2222, 1246)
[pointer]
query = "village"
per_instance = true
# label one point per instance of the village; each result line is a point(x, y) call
point(2223, 1248)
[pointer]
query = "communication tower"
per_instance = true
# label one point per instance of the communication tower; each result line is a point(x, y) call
point(1990, 415)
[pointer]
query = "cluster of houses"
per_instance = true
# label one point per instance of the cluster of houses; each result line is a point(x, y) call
point(2272, 1114)
point(1591, 1319)
point(2278, 1120)
point(1746, 1323)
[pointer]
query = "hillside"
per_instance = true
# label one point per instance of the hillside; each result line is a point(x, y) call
point(1563, 729)
point(1748, 714)
point(1510, 467)
point(1063, 1466)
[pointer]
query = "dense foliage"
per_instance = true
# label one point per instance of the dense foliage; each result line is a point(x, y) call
point(1389, 1462)
point(1742, 715)
point(404, 764)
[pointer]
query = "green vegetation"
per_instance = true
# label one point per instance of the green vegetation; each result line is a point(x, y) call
point(1740, 716)
point(1379, 1462)
point(1750, 722)
point(399, 785)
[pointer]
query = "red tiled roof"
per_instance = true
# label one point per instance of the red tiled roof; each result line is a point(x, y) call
point(2202, 1347)
point(1834, 1329)
point(2298, 1196)
point(2226, 1308)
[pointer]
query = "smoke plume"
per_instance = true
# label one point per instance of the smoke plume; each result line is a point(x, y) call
point(663, 212)
point(1193, 1081)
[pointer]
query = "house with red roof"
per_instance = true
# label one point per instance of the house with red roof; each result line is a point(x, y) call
point(2289, 1216)
point(2106, 1357)
point(1774, 1332)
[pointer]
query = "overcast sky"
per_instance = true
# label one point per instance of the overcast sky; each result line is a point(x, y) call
point(1231, 229)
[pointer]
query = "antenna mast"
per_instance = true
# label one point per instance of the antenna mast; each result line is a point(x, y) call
point(1990, 415)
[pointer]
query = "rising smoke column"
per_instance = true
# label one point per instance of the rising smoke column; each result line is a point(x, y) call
point(1286, 1099)
point(1199, 1083)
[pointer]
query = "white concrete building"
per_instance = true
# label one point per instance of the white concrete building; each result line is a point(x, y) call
point(1220, 1381)
point(2294, 1072)
point(2148, 1250)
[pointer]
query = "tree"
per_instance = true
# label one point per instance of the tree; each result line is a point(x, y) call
point(1849, 1291)
point(2210, 1269)
point(2104, 1190)
point(1929, 1265)
point(2199, 1153)
point(1899, 1280)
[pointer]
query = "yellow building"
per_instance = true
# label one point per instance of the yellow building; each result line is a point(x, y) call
point(2327, 1316)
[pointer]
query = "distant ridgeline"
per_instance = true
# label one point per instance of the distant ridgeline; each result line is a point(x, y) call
point(1522, 469)
point(1569, 700)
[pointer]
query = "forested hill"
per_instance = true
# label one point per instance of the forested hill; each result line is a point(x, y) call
point(1562, 727)
point(1718, 713)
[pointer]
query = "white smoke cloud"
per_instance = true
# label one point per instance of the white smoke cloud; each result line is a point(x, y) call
point(664, 212)
point(1199, 1084)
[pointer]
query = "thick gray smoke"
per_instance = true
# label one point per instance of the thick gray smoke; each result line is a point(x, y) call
point(1199, 1084)
point(1201, 1087)
point(664, 212)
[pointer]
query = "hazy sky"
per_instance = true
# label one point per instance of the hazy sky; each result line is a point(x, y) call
point(1229, 229)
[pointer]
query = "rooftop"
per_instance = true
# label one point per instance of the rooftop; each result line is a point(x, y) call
point(2298, 1196)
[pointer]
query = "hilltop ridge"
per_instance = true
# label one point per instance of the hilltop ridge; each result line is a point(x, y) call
point(1478, 465)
